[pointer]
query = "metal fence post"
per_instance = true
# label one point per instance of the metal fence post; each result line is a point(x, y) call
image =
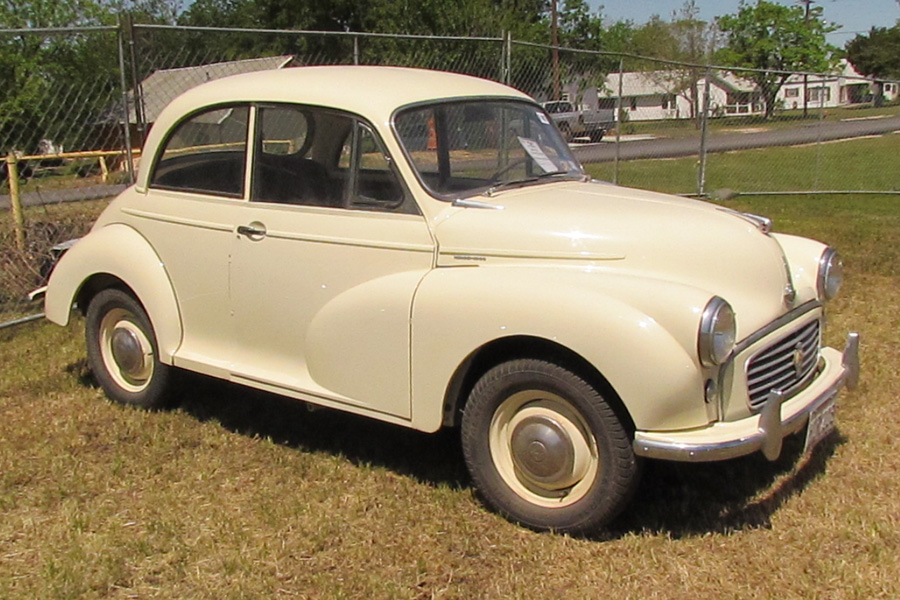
point(355, 49)
point(819, 141)
point(704, 133)
point(15, 202)
point(126, 125)
point(137, 94)
point(506, 58)
point(618, 116)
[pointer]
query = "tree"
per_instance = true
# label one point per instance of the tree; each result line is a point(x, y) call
point(776, 40)
point(877, 55)
point(36, 68)
point(688, 40)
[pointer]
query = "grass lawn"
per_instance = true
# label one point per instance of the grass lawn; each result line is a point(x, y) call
point(870, 164)
point(787, 119)
point(238, 494)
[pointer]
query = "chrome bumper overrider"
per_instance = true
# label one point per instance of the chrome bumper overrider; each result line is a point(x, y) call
point(765, 431)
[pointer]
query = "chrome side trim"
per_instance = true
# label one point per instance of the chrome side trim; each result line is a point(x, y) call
point(770, 429)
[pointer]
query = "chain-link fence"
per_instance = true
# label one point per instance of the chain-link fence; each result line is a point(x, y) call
point(77, 104)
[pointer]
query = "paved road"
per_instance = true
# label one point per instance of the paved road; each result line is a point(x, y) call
point(806, 134)
point(55, 196)
point(602, 152)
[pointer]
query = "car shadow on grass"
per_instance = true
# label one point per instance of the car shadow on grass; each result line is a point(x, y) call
point(432, 459)
point(687, 500)
point(677, 500)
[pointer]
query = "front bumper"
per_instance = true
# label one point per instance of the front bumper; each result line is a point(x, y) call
point(764, 431)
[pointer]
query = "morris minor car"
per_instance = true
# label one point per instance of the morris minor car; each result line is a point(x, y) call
point(424, 249)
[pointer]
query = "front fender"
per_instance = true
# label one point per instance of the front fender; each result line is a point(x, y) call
point(803, 257)
point(119, 251)
point(639, 334)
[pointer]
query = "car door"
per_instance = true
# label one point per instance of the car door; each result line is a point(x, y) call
point(325, 262)
point(197, 190)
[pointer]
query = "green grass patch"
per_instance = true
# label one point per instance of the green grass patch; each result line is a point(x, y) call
point(858, 164)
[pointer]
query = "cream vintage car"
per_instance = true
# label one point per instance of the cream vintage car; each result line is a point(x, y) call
point(423, 248)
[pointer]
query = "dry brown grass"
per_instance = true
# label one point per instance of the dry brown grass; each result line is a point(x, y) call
point(238, 494)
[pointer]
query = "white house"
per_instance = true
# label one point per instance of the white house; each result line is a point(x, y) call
point(662, 95)
point(845, 86)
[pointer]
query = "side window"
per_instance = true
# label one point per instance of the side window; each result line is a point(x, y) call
point(206, 154)
point(292, 163)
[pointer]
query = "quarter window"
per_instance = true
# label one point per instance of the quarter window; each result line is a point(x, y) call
point(206, 154)
point(376, 184)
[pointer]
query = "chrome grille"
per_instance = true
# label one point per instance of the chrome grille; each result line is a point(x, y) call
point(785, 365)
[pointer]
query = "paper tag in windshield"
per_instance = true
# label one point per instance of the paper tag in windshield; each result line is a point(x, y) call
point(542, 118)
point(537, 154)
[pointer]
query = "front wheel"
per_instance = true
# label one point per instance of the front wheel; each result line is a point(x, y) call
point(122, 351)
point(546, 450)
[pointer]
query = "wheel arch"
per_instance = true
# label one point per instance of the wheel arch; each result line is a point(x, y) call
point(116, 256)
point(516, 347)
point(95, 284)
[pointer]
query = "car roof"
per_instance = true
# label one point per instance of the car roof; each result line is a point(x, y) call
point(371, 91)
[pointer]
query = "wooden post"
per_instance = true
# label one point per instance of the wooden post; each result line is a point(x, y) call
point(104, 170)
point(15, 202)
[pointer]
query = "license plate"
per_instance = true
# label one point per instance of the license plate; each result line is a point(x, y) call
point(821, 423)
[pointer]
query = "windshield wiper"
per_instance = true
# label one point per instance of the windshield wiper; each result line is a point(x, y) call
point(515, 183)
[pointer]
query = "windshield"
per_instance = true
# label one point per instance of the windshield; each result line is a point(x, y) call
point(466, 148)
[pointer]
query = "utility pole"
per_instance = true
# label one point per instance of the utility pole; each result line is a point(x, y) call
point(807, 4)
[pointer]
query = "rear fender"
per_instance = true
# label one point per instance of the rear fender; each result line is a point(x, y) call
point(119, 252)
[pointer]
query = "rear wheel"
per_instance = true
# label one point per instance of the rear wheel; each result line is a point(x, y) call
point(546, 450)
point(122, 350)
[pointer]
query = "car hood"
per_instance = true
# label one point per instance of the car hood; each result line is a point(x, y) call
point(634, 232)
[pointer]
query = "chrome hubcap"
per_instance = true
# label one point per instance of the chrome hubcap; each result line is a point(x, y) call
point(543, 452)
point(127, 352)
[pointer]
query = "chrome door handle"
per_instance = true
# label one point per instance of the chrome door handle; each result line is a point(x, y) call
point(252, 231)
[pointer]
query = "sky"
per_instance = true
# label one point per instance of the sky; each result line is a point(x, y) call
point(855, 16)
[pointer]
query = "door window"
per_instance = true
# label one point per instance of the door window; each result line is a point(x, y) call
point(293, 149)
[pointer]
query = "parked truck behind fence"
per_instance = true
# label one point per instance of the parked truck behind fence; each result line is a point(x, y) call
point(576, 122)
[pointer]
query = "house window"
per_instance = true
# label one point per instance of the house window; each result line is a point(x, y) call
point(819, 94)
point(668, 101)
point(633, 101)
point(792, 92)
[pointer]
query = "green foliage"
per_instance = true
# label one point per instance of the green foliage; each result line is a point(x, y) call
point(877, 55)
point(41, 72)
point(777, 39)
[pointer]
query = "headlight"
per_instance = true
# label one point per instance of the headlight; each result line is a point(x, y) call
point(831, 274)
point(717, 333)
